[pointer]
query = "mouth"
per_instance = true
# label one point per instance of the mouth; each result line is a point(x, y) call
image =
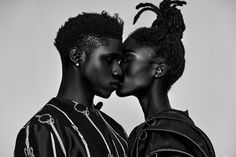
point(115, 84)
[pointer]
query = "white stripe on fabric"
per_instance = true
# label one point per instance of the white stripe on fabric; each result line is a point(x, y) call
point(28, 150)
point(51, 123)
point(170, 150)
point(114, 133)
point(108, 148)
point(27, 137)
point(53, 146)
point(76, 129)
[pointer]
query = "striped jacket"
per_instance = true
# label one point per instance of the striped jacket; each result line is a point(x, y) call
point(63, 128)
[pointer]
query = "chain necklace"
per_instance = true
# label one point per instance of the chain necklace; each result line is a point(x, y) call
point(86, 112)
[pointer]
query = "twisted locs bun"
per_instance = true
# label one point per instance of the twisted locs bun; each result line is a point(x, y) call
point(164, 36)
point(168, 16)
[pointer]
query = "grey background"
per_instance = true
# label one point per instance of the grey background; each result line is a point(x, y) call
point(31, 71)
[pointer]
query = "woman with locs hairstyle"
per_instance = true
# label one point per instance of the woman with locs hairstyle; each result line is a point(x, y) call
point(153, 60)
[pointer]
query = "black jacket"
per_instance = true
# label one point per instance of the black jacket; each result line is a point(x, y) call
point(170, 133)
point(63, 129)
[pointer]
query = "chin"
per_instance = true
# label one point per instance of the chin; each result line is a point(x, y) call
point(105, 94)
point(121, 93)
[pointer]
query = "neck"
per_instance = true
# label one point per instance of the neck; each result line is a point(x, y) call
point(73, 88)
point(153, 102)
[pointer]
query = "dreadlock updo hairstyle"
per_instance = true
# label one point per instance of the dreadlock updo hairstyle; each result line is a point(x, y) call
point(164, 36)
point(87, 31)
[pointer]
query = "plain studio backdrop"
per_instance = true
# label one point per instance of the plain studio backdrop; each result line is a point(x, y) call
point(30, 68)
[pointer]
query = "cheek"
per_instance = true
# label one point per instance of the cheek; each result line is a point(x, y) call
point(98, 73)
point(138, 75)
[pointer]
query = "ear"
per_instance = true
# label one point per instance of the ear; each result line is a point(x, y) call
point(159, 70)
point(76, 56)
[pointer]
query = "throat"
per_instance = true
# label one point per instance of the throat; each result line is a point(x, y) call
point(152, 105)
point(76, 93)
point(74, 88)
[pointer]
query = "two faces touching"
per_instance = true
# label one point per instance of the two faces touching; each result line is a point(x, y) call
point(129, 68)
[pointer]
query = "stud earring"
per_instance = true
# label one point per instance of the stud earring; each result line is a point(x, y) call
point(77, 64)
point(157, 73)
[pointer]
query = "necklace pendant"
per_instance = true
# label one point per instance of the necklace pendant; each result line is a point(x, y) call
point(86, 112)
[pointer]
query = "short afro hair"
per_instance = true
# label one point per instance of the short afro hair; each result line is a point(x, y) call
point(86, 30)
point(164, 36)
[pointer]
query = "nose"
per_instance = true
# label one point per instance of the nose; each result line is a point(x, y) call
point(117, 71)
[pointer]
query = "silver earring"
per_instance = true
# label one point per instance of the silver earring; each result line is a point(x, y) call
point(157, 73)
point(77, 64)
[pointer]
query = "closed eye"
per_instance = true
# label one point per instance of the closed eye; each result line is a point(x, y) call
point(127, 57)
point(110, 58)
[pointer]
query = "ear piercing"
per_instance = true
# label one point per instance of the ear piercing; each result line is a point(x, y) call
point(75, 56)
point(157, 73)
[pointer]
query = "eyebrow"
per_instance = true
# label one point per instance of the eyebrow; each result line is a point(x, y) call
point(113, 55)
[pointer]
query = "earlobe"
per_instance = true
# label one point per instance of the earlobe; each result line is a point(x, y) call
point(76, 56)
point(159, 70)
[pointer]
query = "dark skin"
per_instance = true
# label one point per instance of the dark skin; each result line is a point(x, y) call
point(98, 73)
point(143, 76)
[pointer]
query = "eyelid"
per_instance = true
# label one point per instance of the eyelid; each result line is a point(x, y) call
point(127, 57)
point(112, 58)
point(109, 57)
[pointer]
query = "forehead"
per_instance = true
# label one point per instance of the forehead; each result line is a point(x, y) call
point(113, 47)
point(130, 45)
